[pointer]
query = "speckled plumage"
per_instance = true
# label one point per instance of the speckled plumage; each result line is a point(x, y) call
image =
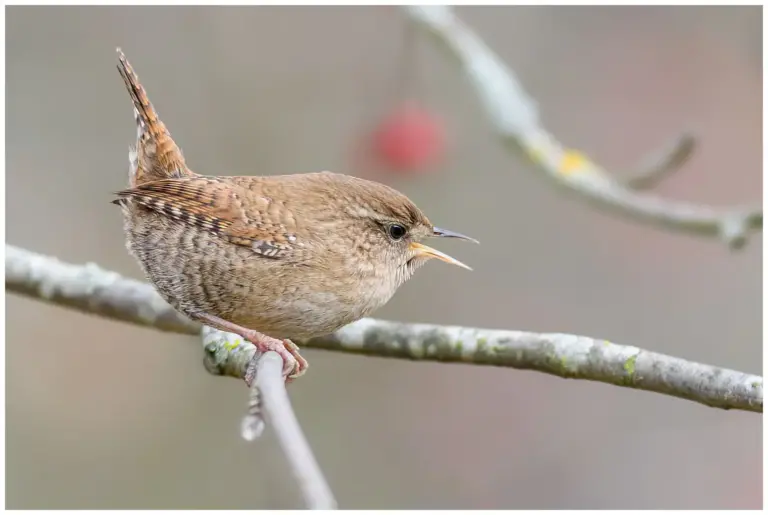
point(291, 256)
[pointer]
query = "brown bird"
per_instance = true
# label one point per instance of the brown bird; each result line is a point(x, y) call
point(267, 258)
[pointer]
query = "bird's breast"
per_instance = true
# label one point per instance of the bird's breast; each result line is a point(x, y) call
point(314, 304)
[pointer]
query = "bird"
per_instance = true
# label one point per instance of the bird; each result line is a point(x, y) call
point(270, 258)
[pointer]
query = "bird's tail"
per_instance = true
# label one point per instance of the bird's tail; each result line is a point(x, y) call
point(156, 155)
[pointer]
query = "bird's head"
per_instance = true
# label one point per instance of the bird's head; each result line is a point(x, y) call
point(385, 231)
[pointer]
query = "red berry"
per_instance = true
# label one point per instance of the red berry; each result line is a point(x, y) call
point(409, 139)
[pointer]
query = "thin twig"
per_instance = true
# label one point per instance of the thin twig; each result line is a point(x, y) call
point(228, 354)
point(514, 115)
point(271, 384)
point(661, 164)
point(93, 290)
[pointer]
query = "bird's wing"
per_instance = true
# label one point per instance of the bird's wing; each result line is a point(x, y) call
point(236, 214)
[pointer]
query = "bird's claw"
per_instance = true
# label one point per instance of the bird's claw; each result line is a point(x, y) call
point(294, 365)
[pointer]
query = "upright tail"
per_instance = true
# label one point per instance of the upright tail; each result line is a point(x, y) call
point(156, 155)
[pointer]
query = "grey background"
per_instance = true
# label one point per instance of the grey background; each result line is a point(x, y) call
point(105, 415)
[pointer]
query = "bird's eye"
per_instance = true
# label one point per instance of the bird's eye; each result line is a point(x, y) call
point(397, 231)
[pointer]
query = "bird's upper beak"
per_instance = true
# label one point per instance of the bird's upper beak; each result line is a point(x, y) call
point(445, 233)
point(423, 250)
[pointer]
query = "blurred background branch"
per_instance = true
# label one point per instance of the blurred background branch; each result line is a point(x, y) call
point(515, 118)
point(91, 289)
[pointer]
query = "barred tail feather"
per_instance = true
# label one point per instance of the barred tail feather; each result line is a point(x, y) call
point(145, 113)
point(156, 156)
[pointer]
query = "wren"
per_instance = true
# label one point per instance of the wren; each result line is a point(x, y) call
point(270, 258)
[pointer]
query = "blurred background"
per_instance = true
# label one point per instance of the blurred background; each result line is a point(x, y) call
point(106, 415)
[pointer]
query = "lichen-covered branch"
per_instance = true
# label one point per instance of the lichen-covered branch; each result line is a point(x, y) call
point(93, 290)
point(515, 118)
point(228, 354)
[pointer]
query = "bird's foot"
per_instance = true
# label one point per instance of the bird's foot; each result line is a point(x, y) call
point(294, 365)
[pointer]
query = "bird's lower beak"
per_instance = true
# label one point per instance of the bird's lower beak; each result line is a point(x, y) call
point(429, 252)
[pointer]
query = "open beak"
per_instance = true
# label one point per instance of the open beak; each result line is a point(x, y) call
point(429, 252)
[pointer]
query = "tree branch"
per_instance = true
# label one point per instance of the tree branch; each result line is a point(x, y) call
point(93, 290)
point(515, 118)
